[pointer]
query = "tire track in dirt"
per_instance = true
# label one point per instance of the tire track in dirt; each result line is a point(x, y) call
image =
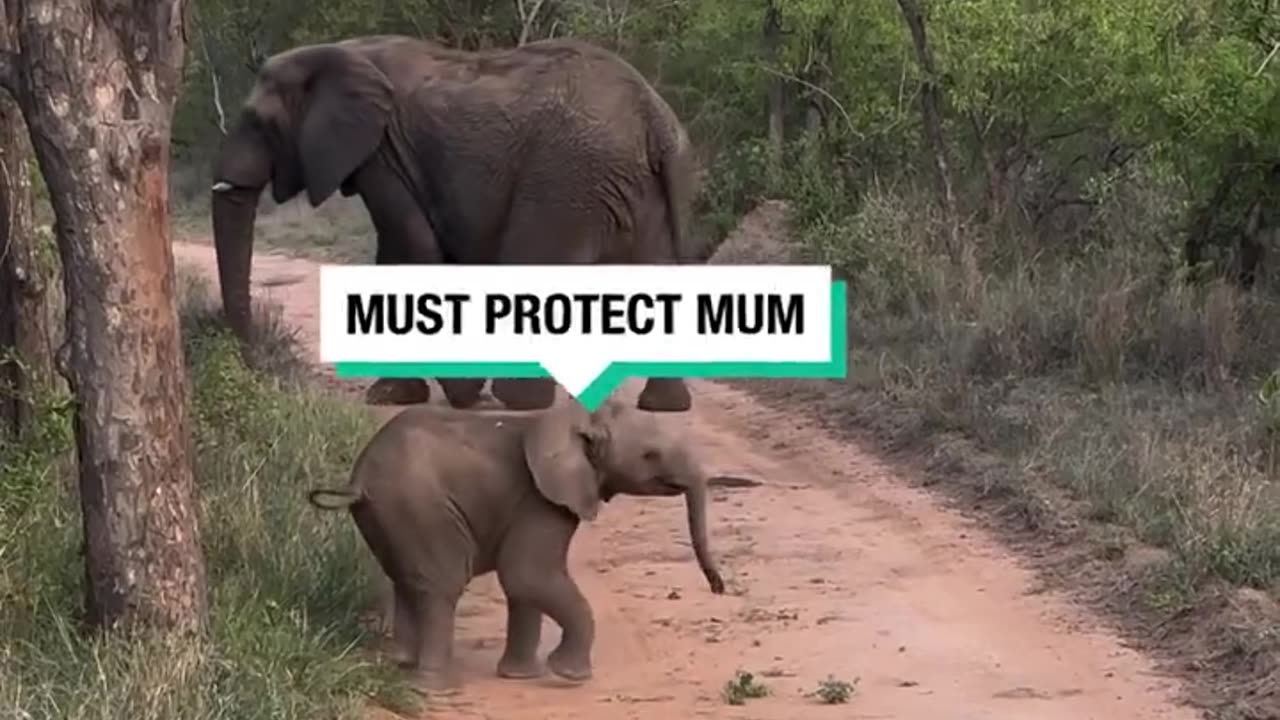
point(834, 566)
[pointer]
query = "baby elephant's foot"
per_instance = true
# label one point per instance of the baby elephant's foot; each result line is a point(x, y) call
point(517, 668)
point(575, 666)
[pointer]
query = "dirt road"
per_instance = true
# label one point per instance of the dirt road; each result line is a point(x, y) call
point(835, 567)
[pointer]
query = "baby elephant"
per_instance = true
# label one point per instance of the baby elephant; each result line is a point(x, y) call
point(440, 502)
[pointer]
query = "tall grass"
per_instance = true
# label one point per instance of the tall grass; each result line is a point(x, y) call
point(1093, 363)
point(1135, 390)
point(287, 584)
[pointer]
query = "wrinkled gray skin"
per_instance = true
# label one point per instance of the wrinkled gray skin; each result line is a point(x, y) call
point(557, 152)
point(440, 502)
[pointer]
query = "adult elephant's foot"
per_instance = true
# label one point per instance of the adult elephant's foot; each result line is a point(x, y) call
point(398, 391)
point(525, 393)
point(571, 665)
point(400, 656)
point(520, 668)
point(665, 395)
point(436, 682)
point(462, 393)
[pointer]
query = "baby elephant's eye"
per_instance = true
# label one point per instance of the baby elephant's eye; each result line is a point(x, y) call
point(652, 454)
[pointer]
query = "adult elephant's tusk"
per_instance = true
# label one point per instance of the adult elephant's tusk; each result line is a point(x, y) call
point(222, 186)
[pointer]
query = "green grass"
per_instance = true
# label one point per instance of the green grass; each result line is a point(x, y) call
point(287, 583)
point(1100, 369)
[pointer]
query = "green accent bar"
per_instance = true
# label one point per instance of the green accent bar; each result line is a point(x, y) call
point(617, 373)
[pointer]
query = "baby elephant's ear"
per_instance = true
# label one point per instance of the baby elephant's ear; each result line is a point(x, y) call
point(555, 448)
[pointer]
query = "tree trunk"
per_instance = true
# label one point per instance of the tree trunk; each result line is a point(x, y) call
point(931, 115)
point(774, 102)
point(1200, 234)
point(993, 171)
point(28, 287)
point(1262, 226)
point(97, 80)
point(818, 75)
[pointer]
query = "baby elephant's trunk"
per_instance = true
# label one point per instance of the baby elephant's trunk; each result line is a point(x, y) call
point(695, 499)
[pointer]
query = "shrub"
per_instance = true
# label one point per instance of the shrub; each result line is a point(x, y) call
point(286, 583)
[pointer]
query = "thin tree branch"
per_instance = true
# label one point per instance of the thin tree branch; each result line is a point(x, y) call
point(1061, 135)
point(1275, 48)
point(844, 113)
point(213, 78)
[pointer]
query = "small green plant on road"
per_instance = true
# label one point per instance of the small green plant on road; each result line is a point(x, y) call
point(743, 687)
point(835, 692)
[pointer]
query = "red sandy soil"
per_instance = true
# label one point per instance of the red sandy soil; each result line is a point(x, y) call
point(836, 566)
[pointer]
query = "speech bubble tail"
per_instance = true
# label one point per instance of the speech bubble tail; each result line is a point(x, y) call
point(579, 376)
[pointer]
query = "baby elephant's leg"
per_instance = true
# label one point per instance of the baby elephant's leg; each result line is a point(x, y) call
point(433, 613)
point(558, 595)
point(404, 635)
point(534, 574)
point(524, 631)
point(519, 575)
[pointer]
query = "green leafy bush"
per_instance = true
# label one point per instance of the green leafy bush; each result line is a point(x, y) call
point(287, 584)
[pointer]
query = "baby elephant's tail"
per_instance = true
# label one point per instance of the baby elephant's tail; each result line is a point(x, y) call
point(347, 498)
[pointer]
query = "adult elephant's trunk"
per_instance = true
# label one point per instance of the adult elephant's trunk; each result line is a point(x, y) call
point(234, 212)
point(695, 499)
point(242, 169)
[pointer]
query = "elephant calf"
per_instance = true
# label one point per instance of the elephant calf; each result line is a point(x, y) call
point(440, 502)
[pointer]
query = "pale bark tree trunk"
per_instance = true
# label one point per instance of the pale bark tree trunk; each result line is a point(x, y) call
point(993, 171)
point(528, 18)
point(774, 107)
point(97, 81)
point(931, 115)
point(818, 75)
point(29, 297)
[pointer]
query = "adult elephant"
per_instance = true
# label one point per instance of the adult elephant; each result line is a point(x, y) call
point(556, 152)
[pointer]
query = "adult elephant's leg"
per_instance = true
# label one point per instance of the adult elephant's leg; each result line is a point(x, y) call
point(395, 391)
point(398, 391)
point(665, 395)
point(541, 233)
point(404, 237)
point(525, 393)
point(653, 244)
point(462, 393)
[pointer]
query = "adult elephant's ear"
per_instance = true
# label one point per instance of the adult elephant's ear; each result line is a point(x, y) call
point(558, 449)
point(347, 111)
